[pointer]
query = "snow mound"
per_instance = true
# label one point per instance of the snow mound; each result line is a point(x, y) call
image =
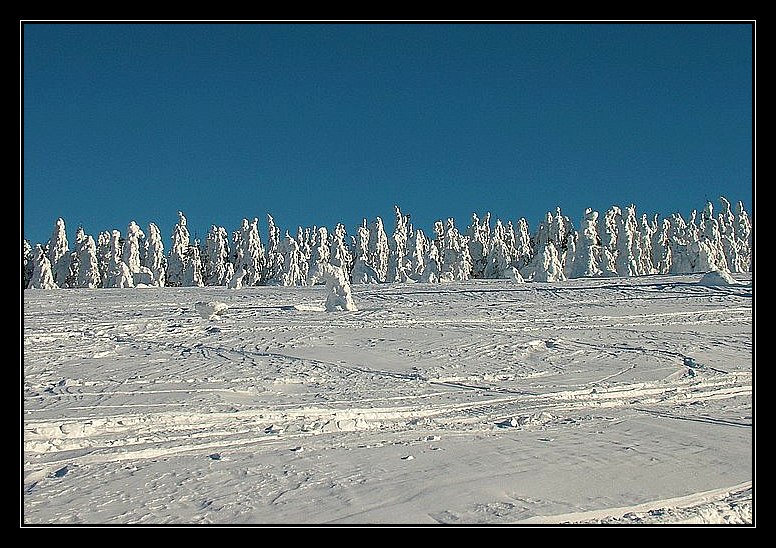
point(209, 310)
point(339, 297)
point(717, 277)
point(513, 274)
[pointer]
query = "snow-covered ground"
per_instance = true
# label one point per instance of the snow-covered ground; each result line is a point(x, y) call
point(619, 400)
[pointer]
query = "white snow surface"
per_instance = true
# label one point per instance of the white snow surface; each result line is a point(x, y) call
point(595, 400)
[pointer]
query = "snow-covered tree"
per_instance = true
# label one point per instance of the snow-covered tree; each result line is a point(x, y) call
point(548, 268)
point(479, 244)
point(176, 263)
point(644, 247)
point(249, 252)
point(727, 228)
point(27, 263)
point(321, 250)
point(192, 272)
point(364, 272)
point(625, 236)
point(103, 254)
point(399, 262)
point(497, 263)
point(456, 263)
point(744, 238)
point(306, 240)
point(379, 251)
point(274, 262)
point(661, 248)
point(432, 270)
point(132, 244)
point(132, 252)
point(59, 254)
point(119, 274)
point(340, 252)
point(587, 262)
point(42, 277)
point(525, 250)
point(154, 256)
point(87, 272)
point(546, 265)
point(292, 272)
point(218, 270)
point(418, 250)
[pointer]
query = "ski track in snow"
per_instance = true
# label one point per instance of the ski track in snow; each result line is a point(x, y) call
point(481, 402)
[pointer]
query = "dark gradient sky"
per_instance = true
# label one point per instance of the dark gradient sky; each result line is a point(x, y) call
point(324, 123)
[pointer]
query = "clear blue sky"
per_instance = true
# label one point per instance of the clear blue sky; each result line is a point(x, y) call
point(324, 123)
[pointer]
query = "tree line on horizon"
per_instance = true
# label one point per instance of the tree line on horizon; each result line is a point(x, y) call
point(618, 243)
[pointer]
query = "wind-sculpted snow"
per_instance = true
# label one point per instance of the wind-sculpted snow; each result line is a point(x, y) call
point(595, 400)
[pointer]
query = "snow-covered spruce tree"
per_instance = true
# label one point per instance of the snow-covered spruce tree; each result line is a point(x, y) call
point(432, 270)
point(510, 240)
point(306, 241)
point(218, 270)
point(625, 236)
point(364, 271)
point(548, 268)
point(418, 250)
point(131, 250)
point(644, 248)
point(570, 257)
point(525, 251)
point(27, 263)
point(59, 254)
point(274, 259)
point(607, 231)
point(192, 272)
point(497, 263)
point(589, 251)
point(399, 262)
point(132, 253)
point(563, 235)
point(42, 277)
point(176, 263)
point(154, 256)
point(249, 253)
point(727, 228)
point(545, 266)
point(479, 244)
point(379, 251)
point(340, 252)
point(456, 263)
point(103, 255)
point(321, 251)
point(709, 249)
point(661, 247)
point(744, 238)
point(679, 239)
point(291, 273)
point(118, 271)
point(87, 273)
